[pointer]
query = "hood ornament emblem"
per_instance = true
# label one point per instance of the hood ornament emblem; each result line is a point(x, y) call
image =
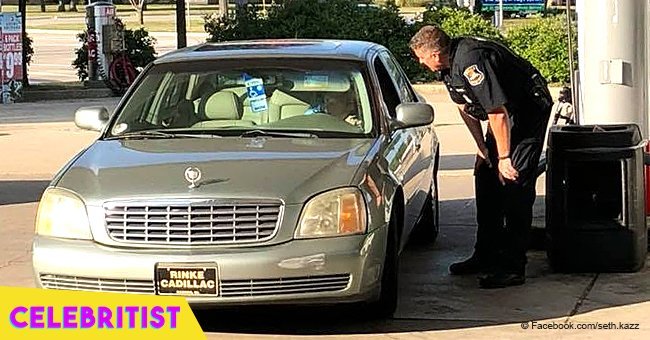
point(192, 175)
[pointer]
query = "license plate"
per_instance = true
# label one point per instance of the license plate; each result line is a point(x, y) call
point(186, 279)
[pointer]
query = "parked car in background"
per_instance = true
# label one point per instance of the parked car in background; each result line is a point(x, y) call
point(274, 171)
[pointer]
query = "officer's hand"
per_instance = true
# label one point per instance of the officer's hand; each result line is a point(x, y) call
point(482, 153)
point(507, 171)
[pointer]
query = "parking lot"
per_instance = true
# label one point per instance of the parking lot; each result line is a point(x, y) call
point(432, 303)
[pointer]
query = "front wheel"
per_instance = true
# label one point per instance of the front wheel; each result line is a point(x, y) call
point(428, 226)
point(386, 305)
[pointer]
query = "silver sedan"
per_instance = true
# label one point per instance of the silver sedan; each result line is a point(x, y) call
point(287, 171)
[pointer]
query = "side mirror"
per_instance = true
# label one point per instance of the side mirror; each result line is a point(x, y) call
point(91, 117)
point(414, 115)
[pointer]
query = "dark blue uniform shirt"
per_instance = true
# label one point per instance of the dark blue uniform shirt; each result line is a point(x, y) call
point(486, 75)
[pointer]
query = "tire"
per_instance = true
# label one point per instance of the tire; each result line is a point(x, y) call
point(386, 305)
point(428, 226)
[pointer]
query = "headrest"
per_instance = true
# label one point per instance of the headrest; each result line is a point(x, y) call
point(223, 105)
point(281, 99)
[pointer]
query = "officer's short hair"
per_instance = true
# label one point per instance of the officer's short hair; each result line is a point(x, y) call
point(432, 38)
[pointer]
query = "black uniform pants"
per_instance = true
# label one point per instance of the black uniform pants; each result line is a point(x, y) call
point(504, 212)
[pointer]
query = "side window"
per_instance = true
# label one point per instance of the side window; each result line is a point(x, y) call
point(158, 98)
point(170, 93)
point(401, 82)
point(389, 93)
point(175, 92)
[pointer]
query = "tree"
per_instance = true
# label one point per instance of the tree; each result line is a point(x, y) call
point(140, 6)
point(181, 36)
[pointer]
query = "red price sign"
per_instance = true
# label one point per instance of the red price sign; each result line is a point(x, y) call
point(13, 65)
point(106, 11)
point(12, 56)
point(92, 46)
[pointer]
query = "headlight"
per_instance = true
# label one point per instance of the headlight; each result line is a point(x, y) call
point(334, 213)
point(62, 214)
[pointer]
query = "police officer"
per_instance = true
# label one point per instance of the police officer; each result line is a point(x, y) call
point(490, 83)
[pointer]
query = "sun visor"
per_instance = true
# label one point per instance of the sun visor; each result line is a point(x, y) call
point(320, 81)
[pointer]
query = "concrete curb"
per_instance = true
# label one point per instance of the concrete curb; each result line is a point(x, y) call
point(84, 93)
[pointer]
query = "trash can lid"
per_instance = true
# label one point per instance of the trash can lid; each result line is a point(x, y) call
point(594, 136)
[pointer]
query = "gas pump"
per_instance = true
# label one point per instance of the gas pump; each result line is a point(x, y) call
point(100, 21)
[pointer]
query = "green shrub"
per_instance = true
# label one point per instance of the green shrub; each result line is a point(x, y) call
point(432, 4)
point(80, 63)
point(332, 19)
point(541, 41)
point(460, 22)
point(407, 3)
point(544, 43)
point(140, 47)
point(29, 53)
point(29, 49)
point(138, 43)
point(247, 23)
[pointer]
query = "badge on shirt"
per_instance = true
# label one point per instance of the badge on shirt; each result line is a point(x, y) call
point(474, 75)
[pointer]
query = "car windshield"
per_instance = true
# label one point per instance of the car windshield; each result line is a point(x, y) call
point(323, 98)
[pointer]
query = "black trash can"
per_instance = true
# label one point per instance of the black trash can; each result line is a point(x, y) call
point(595, 199)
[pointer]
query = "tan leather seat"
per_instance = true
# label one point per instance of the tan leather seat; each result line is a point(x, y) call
point(247, 112)
point(283, 105)
point(222, 109)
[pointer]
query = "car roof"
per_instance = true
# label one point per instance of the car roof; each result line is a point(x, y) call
point(274, 48)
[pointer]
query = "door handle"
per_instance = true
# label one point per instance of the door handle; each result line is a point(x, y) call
point(418, 146)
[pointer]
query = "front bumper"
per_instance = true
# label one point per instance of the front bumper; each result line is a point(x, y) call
point(329, 270)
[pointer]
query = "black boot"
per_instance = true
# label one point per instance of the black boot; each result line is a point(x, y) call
point(501, 280)
point(474, 265)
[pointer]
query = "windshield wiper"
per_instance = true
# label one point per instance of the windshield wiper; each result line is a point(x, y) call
point(257, 133)
point(161, 134)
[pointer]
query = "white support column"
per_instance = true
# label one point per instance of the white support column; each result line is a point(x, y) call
point(612, 54)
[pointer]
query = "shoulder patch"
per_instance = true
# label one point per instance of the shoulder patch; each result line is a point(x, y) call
point(474, 75)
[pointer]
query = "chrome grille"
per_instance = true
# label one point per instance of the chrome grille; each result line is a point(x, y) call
point(52, 281)
point(192, 223)
point(283, 286)
point(228, 288)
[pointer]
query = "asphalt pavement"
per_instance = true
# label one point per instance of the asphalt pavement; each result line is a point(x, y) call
point(50, 111)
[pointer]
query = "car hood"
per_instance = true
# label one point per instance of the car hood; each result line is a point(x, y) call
point(291, 169)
